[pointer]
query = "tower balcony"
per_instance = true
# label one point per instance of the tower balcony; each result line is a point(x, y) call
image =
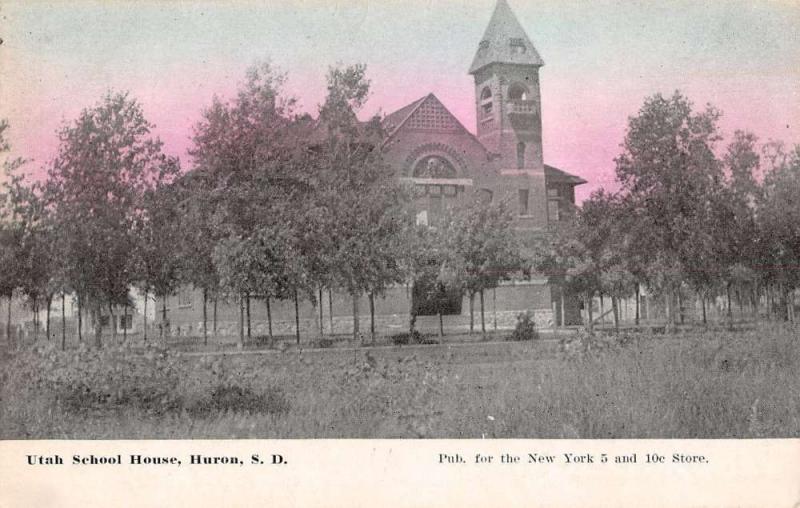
point(521, 107)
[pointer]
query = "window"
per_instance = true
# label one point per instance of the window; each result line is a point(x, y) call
point(125, 322)
point(520, 155)
point(185, 298)
point(553, 210)
point(553, 193)
point(435, 206)
point(422, 218)
point(518, 92)
point(517, 45)
point(523, 201)
point(434, 166)
point(486, 101)
point(485, 195)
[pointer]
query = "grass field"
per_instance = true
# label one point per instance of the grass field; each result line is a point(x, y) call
point(700, 384)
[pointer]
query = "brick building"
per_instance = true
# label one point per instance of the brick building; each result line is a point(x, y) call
point(428, 146)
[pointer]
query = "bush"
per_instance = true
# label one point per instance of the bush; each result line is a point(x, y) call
point(415, 337)
point(324, 343)
point(92, 379)
point(525, 329)
point(241, 399)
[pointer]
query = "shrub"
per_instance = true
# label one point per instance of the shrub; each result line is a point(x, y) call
point(241, 399)
point(525, 329)
point(415, 337)
point(324, 343)
point(400, 340)
point(92, 379)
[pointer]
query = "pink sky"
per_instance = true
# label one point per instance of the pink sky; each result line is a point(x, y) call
point(602, 60)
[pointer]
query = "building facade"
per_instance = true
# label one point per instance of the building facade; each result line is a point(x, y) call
point(428, 146)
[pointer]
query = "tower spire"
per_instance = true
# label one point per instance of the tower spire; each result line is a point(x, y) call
point(505, 41)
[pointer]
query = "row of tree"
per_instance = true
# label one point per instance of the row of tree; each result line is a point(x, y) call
point(278, 206)
point(283, 206)
point(685, 218)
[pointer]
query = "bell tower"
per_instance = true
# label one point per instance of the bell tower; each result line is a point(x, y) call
point(507, 97)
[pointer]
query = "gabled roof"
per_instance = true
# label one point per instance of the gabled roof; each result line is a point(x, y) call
point(496, 47)
point(557, 175)
point(393, 122)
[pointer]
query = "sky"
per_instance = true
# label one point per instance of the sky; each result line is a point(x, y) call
point(602, 58)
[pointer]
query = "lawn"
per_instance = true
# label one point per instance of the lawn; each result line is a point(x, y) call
point(695, 384)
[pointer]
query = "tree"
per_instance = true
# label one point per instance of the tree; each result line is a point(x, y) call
point(365, 207)
point(11, 232)
point(250, 186)
point(484, 248)
point(157, 258)
point(106, 161)
point(778, 218)
point(667, 170)
point(741, 194)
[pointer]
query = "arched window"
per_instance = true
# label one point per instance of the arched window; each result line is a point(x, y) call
point(520, 155)
point(434, 166)
point(518, 92)
point(486, 101)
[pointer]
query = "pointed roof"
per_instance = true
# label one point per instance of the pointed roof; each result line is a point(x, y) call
point(496, 45)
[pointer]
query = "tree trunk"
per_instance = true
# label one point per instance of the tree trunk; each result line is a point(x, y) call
point(330, 311)
point(563, 310)
point(483, 317)
point(703, 304)
point(269, 321)
point(680, 305)
point(8, 321)
point(670, 321)
point(372, 316)
point(214, 329)
point(98, 328)
point(125, 322)
point(247, 307)
point(494, 307)
point(205, 317)
point(355, 316)
point(441, 324)
point(63, 322)
point(35, 319)
point(471, 312)
point(80, 318)
point(772, 302)
point(615, 310)
point(739, 304)
point(297, 316)
point(144, 318)
point(47, 317)
point(729, 309)
point(241, 320)
point(589, 316)
point(602, 312)
point(321, 314)
point(113, 322)
point(164, 324)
